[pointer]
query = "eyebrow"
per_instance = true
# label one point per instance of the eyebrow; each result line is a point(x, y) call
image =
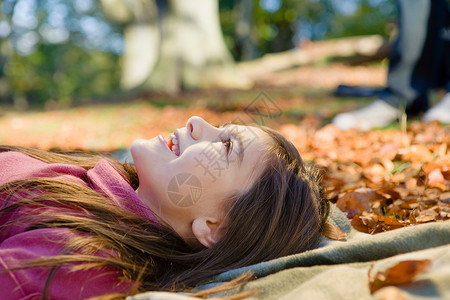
point(237, 136)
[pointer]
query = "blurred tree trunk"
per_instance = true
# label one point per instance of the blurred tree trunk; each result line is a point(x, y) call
point(141, 34)
point(179, 47)
point(193, 53)
point(243, 28)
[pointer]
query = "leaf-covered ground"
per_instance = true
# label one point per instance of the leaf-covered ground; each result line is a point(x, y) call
point(383, 179)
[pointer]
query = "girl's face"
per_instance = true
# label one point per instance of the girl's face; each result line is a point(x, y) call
point(186, 178)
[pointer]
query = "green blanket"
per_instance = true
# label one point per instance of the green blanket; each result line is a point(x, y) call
point(340, 269)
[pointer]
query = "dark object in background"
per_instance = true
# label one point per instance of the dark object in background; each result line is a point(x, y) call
point(357, 91)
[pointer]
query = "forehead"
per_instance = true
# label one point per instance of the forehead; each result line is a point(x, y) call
point(250, 136)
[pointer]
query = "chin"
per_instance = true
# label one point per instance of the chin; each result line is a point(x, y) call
point(141, 148)
point(148, 156)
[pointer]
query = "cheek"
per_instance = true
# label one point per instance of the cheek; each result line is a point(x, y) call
point(187, 161)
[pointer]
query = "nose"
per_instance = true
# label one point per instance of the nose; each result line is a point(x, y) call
point(199, 128)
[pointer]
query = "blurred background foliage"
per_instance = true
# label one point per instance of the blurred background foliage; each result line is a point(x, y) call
point(280, 25)
point(57, 53)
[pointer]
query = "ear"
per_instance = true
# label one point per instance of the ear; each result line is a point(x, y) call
point(206, 230)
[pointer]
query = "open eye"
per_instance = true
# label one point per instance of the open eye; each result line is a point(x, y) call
point(228, 145)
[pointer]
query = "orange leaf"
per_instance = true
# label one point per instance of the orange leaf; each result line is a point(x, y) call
point(418, 153)
point(401, 273)
point(431, 166)
point(359, 225)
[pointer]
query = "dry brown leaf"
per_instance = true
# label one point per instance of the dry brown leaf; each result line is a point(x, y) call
point(355, 201)
point(371, 223)
point(412, 219)
point(402, 273)
point(333, 232)
point(445, 197)
point(426, 216)
point(358, 224)
point(444, 210)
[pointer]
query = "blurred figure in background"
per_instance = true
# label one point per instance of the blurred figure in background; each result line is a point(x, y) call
point(419, 62)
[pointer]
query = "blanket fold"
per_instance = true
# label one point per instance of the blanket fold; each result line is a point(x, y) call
point(340, 269)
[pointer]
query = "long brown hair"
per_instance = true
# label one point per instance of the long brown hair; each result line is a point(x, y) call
point(283, 213)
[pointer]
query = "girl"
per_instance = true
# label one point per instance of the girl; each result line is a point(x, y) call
point(204, 201)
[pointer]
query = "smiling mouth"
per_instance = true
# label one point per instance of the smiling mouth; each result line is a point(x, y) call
point(173, 144)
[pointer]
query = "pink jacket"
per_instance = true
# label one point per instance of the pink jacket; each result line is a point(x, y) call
point(17, 245)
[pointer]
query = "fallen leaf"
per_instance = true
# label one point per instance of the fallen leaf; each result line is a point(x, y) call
point(444, 210)
point(355, 201)
point(418, 153)
point(358, 224)
point(412, 218)
point(431, 166)
point(371, 223)
point(374, 172)
point(333, 232)
point(402, 273)
point(388, 193)
point(427, 216)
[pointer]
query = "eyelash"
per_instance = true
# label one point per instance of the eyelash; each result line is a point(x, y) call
point(228, 143)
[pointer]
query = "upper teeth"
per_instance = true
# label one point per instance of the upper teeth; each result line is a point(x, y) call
point(174, 143)
point(174, 138)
